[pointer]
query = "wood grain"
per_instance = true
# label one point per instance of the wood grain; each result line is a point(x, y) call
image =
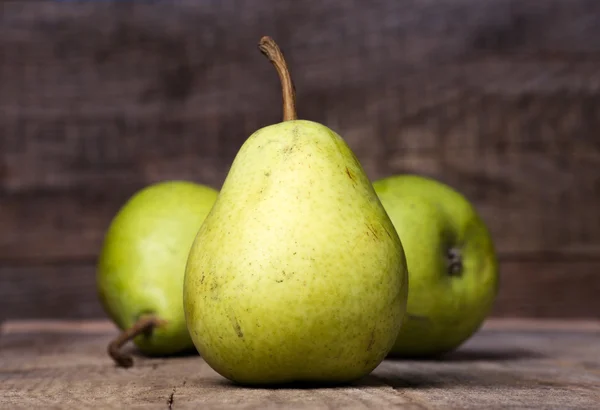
point(502, 366)
point(494, 103)
point(500, 99)
point(551, 289)
point(57, 291)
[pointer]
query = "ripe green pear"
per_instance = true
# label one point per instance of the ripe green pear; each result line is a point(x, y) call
point(142, 262)
point(297, 274)
point(451, 261)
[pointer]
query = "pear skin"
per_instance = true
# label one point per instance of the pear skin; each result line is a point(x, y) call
point(142, 264)
point(297, 274)
point(453, 274)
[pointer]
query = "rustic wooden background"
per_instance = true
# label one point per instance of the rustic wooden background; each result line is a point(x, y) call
point(499, 98)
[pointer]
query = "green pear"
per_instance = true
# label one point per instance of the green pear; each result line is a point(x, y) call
point(297, 274)
point(451, 260)
point(142, 264)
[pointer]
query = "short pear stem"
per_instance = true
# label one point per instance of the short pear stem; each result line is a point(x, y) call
point(144, 325)
point(270, 49)
point(455, 265)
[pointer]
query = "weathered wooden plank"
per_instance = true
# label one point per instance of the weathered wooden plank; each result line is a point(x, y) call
point(543, 289)
point(552, 211)
point(525, 194)
point(498, 98)
point(59, 291)
point(550, 288)
point(64, 364)
point(53, 228)
point(533, 202)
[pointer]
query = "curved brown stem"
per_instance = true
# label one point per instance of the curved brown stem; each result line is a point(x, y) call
point(145, 324)
point(270, 49)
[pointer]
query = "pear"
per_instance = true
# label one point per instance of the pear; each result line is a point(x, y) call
point(142, 264)
point(297, 274)
point(452, 263)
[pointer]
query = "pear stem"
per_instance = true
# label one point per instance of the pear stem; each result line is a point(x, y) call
point(270, 49)
point(145, 324)
point(455, 265)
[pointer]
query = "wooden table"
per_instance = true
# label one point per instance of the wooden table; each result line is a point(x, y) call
point(508, 364)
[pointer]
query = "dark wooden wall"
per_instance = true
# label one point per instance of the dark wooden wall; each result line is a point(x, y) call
point(499, 98)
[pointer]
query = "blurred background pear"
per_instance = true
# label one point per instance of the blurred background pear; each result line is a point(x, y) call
point(142, 264)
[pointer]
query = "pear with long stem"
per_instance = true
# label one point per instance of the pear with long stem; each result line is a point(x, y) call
point(297, 273)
